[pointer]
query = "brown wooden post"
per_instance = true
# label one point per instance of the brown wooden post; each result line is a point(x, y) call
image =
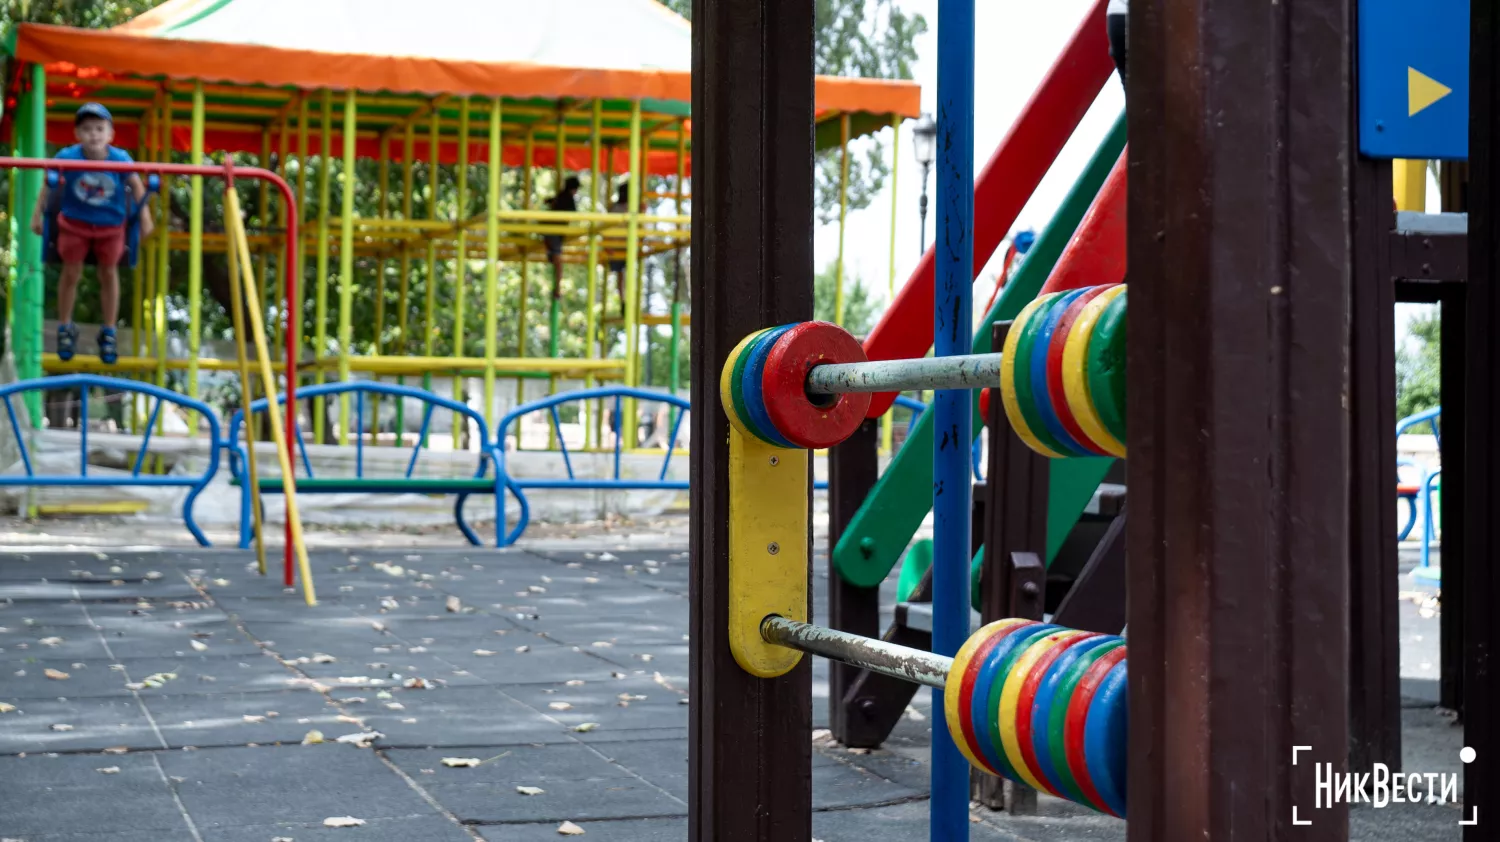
point(749, 756)
point(1240, 137)
point(853, 468)
point(1480, 421)
point(1374, 642)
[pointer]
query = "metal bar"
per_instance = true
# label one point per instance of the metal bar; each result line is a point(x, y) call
point(140, 457)
point(421, 438)
point(557, 425)
point(346, 257)
point(83, 430)
point(359, 433)
point(15, 425)
point(672, 442)
point(902, 662)
point(195, 252)
point(967, 371)
point(619, 433)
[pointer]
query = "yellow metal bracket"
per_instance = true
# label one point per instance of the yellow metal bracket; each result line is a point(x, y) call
point(768, 540)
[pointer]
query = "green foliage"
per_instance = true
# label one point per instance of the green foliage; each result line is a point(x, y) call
point(872, 39)
point(1419, 365)
point(859, 310)
point(91, 14)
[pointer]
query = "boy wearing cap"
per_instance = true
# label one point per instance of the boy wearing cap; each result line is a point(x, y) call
point(92, 217)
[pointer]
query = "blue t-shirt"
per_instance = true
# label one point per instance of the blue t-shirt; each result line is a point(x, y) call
point(97, 198)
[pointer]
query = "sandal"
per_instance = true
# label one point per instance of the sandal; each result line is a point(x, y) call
point(107, 351)
point(67, 340)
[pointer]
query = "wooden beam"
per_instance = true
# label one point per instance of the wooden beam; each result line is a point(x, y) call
point(749, 750)
point(1239, 437)
point(853, 468)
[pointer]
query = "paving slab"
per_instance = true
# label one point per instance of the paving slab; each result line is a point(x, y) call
point(577, 782)
point(460, 716)
point(66, 794)
point(411, 829)
point(238, 719)
point(628, 830)
point(65, 725)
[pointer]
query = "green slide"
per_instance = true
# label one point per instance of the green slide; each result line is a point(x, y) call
point(880, 531)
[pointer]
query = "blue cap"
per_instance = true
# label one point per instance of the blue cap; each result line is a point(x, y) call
point(92, 109)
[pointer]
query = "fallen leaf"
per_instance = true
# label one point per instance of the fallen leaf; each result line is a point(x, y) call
point(252, 719)
point(6, 708)
point(560, 706)
point(530, 790)
point(569, 829)
point(395, 706)
point(483, 653)
point(153, 575)
point(313, 738)
point(574, 682)
point(223, 583)
point(585, 727)
point(108, 770)
point(453, 604)
point(523, 648)
point(61, 727)
point(342, 821)
point(50, 641)
point(282, 839)
point(321, 658)
point(360, 740)
point(461, 762)
point(116, 750)
point(56, 675)
point(416, 684)
point(198, 645)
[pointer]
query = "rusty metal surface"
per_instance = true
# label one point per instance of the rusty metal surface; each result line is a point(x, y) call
point(968, 371)
point(869, 653)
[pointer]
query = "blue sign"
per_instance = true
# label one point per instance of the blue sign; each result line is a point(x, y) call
point(1414, 79)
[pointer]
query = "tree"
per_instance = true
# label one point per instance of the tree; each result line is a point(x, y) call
point(859, 310)
point(867, 38)
point(1419, 365)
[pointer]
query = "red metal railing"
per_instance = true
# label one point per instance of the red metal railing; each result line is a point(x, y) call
point(228, 172)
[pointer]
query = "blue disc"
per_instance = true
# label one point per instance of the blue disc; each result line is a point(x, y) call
point(1041, 394)
point(989, 681)
point(1041, 706)
point(1104, 738)
point(755, 401)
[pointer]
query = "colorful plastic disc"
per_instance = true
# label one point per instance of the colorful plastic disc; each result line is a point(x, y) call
point(1078, 711)
point(1015, 408)
point(1010, 697)
point(1026, 385)
point(1062, 700)
point(1046, 402)
point(1056, 390)
point(1026, 703)
point(960, 687)
point(755, 402)
point(1104, 738)
point(1075, 372)
point(730, 395)
point(792, 411)
point(1106, 367)
point(1041, 709)
point(991, 686)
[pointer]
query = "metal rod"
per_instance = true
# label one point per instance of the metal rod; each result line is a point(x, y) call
point(901, 662)
point(969, 371)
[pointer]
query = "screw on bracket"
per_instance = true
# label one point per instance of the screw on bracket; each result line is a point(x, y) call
point(773, 548)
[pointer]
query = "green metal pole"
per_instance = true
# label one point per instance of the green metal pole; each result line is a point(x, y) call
point(590, 319)
point(887, 430)
point(632, 261)
point(27, 324)
point(461, 264)
point(320, 334)
point(838, 289)
point(492, 265)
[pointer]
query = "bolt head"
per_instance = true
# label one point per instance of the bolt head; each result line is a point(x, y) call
point(775, 460)
point(773, 548)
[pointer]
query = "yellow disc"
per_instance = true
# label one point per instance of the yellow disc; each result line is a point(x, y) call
point(1010, 695)
point(1076, 375)
point(1008, 379)
point(955, 683)
point(726, 379)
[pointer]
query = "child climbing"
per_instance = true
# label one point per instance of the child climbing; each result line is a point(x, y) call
point(565, 200)
point(91, 217)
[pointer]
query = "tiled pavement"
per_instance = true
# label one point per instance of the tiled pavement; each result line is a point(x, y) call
point(167, 696)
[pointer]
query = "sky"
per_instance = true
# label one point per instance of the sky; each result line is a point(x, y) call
point(1015, 45)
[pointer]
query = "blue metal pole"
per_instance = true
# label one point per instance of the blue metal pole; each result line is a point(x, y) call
point(953, 334)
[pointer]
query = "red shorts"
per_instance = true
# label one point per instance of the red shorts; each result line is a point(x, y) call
point(74, 239)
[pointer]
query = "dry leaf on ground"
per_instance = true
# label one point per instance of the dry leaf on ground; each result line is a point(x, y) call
point(453, 604)
point(560, 706)
point(56, 675)
point(569, 829)
point(461, 762)
point(530, 790)
point(585, 727)
point(108, 770)
point(342, 821)
point(6, 708)
point(313, 738)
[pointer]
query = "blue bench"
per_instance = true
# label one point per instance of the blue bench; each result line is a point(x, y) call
point(614, 482)
point(85, 382)
point(479, 483)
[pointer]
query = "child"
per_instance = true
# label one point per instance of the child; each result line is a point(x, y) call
point(565, 200)
point(92, 216)
point(621, 206)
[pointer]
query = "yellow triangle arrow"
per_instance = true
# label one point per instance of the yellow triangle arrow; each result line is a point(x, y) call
point(1422, 91)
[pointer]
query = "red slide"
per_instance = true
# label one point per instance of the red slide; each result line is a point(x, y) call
point(1003, 187)
point(1096, 254)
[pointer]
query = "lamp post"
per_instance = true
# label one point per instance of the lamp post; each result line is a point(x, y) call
point(924, 142)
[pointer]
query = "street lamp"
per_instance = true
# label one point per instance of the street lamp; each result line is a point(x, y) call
point(924, 141)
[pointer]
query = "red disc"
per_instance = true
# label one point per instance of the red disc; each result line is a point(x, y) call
point(966, 689)
point(796, 417)
point(1078, 712)
point(1055, 367)
point(1026, 700)
point(984, 406)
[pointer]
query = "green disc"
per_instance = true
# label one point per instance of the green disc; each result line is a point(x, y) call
point(996, 688)
point(1057, 722)
point(1106, 367)
point(737, 389)
point(1025, 395)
